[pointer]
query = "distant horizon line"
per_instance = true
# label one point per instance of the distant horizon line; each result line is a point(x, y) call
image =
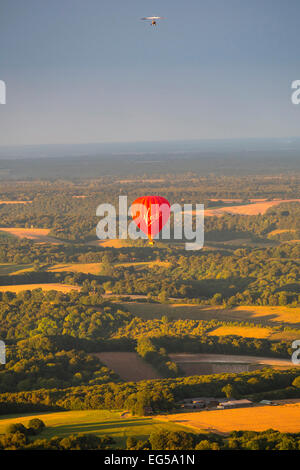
point(163, 141)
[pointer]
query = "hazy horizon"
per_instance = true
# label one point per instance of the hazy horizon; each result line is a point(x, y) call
point(165, 147)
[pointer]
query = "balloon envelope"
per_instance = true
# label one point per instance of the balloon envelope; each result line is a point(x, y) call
point(150, 213)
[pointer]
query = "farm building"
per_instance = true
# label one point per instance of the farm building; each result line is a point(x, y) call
point(200, 402)
point(194, 406)
point(224, 405)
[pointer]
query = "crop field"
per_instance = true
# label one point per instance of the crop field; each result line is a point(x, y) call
point(10, 269)
point(114, 243)
point(95, 268)
point(267, 316)
point(206, 364)
point(15, 202)
point(257, 332)
point(86, 268)
point(45, 287)
point(116, 424)
point(128, 365)
point(244, 331)
point(147, 264)
point(270, 314)
point(279, 231)
point(39, 235)
point(254, 208)
point(284, 418)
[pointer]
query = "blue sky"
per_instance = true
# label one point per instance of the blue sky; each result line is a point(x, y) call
point(82, 71)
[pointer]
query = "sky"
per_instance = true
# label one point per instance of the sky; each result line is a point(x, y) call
point(80, 71)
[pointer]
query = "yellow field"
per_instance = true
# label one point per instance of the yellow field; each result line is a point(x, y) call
point(45, 287)
point(244, 331)
point(15, 202)
point(86, 268)
point(39, 235)
point(267, 316)
point(273, 314)
point(148, 264)
point(109, 243)
point(284, 418)
point(248, 209)
point(95, 268)
point(278, 231)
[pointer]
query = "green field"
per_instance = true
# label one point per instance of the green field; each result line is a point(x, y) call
point(99, 422)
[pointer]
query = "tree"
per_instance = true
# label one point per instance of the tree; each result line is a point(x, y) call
point(217, 299)
point(163, 297)
point(16, 428)
point(228, 390)
point(36, 425)
point(207, 445)
point(169, 440)
point(296, 382)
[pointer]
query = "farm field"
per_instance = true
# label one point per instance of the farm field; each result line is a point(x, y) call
point(244, 331)
point(284, 418)
point(8, 268)
point(257, 332)
point(45, 287)
point(198, 364)
point(128, 365)
point(86, 268)
point(114, 243)
point(15, 202)
point(270, 314)
point(116, 424)
point(267, 316)
point(39, 235)
point(254, 208)
point(147, 264)
point(95, 268)
point(279, 231)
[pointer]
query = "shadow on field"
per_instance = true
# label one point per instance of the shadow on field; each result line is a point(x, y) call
point(113, 427)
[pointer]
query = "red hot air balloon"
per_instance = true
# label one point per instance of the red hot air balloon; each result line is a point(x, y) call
point(150, 213)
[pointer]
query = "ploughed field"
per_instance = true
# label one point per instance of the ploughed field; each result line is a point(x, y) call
point(128, 365)
point(205, 364)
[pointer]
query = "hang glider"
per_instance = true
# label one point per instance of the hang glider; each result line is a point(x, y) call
point(153, 19)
